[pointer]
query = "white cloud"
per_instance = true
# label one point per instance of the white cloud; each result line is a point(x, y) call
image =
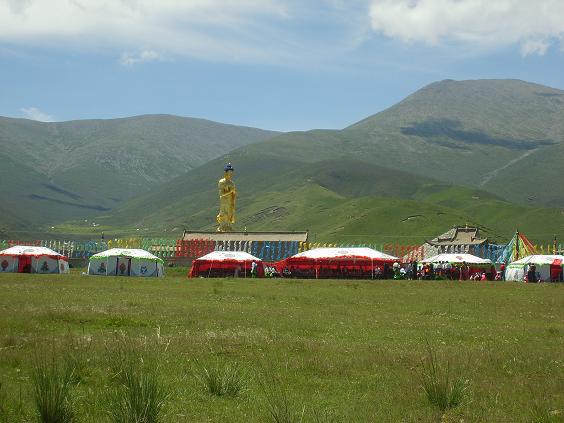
point(214, 29)
point(534, 47)
point(289, 32)
point(34, 113)
point(130, 59)
point(534, 24)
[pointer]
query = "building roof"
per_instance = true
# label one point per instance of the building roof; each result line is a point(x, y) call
point(459, 236)
point(246, 236)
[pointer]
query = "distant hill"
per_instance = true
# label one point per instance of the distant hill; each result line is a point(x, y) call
point(51, 172)
point(337, 200)
point(451, 153)
point(503, 136)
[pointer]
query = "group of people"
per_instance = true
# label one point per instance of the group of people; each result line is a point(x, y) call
point(446, 270)
point(410, 270)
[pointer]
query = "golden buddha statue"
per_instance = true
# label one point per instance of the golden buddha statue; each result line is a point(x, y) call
point(227, 197)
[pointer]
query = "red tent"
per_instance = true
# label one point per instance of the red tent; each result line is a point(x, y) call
point(334, 263)
point(226, 263)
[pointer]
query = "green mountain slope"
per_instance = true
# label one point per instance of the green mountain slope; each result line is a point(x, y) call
point(504, 136)
point(337, 200)
point(453, 152)
point(54, 171)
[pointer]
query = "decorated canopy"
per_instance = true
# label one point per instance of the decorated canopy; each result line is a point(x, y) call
point(517, 248)
point(469, 259)
point(29, 259)
point(337, 263)
point(226, 263)
point(548, 267)
point(125, 262)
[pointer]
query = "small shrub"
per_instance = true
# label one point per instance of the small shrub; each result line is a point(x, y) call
point(442, 389)
point(220, 380)
point(51, 391)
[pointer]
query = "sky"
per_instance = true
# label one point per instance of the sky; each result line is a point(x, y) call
point(274, 64)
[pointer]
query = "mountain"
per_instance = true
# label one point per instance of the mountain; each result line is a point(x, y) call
point(336, 200)
point(451, 153)
point(504, 136)
point(55, 171)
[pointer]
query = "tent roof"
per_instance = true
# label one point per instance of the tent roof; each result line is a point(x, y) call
point(27, 250)
point(360, 252)
point(228, 255)
point(126, 252)
point(457, 258)
point(539, 259)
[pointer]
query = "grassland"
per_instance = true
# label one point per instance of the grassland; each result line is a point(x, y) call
point(324, 351)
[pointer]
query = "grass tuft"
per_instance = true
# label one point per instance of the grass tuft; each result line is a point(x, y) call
point(222, 379)
point(51, 391)
point(442, 389)
point(279, 406)
point(76, 357)
point(139, 396)
point(542, 415)
point(3, 402)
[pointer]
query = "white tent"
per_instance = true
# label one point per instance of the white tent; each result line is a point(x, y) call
point(29, 259)
point(125, 262)
point(469, 259)
point(517, 270)
point(356, 252)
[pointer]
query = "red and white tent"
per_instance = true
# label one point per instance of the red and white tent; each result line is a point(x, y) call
point(28, 259)
point(337, 263)
point(548, 267)
point(226, 263)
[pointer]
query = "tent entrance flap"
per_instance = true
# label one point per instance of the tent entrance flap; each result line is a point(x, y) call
point(24, 264)
point(123, 266)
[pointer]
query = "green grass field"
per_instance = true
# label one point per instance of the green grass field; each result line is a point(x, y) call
point(309, 351)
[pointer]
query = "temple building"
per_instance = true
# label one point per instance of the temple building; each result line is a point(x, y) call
point(459, 239)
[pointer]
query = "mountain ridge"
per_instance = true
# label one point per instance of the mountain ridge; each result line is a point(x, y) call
point(67, 168)
point(505, 125)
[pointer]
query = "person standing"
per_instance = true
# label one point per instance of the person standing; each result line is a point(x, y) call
point(532, 274)
point(254, 268)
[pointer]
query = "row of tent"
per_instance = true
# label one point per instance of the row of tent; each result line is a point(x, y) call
point(113, 262)
point(317, 263)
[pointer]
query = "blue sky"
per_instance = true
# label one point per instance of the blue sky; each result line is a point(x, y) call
point(284, 65)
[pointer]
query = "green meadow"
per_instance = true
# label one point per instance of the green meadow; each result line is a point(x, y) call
point(95, 349)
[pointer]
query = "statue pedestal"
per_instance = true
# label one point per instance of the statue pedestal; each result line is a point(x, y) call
point(271, 236)
point(269, 246)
